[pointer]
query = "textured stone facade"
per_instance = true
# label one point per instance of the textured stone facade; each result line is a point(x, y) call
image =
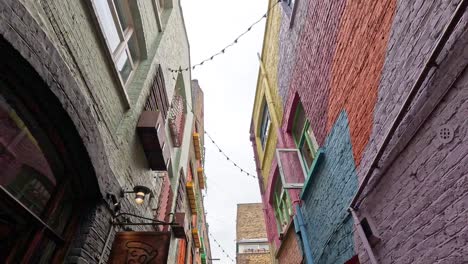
point(64, 45)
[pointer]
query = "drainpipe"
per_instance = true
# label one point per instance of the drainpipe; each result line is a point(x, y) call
point(431, 62)
point(299, 222)
point(363, 237)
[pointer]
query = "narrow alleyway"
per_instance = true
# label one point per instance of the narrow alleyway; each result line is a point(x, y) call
point(201, 132)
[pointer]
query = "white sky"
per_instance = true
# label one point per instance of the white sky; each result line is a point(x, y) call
point(229, 83)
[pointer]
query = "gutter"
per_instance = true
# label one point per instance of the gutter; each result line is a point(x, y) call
point(431, 63)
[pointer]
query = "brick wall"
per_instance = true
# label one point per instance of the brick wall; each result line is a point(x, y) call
point(253, 258)
point(358, 62)
point(290, 251)
point(417, 203)
point(61, 42)
point(249, 223)
point(326, 200)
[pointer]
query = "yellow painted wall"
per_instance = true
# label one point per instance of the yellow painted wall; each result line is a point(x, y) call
point(267, 90)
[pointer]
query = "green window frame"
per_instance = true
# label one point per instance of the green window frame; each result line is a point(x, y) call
point(282, 206)
point(304, 138)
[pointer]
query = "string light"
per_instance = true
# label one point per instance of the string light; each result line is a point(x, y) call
point(222, 51)
point(219, 245)
point(229, 159)
point(242, 170)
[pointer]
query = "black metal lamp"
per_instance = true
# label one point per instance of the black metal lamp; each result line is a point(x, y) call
point(140, 193)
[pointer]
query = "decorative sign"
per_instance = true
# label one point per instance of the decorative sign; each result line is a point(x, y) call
point(140, 248)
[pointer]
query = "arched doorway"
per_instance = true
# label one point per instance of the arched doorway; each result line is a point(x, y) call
point(45, 171)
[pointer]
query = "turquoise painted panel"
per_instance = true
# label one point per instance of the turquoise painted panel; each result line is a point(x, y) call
point(326, 199)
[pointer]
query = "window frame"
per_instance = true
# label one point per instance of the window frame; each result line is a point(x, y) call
point(305, 138)
point(282, 206)
point(125, 36)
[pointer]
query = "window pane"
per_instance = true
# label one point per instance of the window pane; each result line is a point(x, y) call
point(107, 23)
point(299, 122)
point(265, 125)
point(312, 138)
point(122, 11)
point(124, 66)
point(307, 154)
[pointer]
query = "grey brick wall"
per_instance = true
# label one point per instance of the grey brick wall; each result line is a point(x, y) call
point(61, 41)
point(417, 199)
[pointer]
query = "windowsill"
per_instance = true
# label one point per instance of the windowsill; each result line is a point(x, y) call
point(313, 170)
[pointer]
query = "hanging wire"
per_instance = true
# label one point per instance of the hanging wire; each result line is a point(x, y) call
point(223, 51)
point(222, 249)
point(229, 159)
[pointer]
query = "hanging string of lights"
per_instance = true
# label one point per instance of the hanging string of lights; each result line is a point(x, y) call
point(242, 170)
point(219, 245)
point(229, 159)
point(236, 40)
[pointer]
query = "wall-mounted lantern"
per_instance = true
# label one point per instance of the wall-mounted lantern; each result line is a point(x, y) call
point(140, 193)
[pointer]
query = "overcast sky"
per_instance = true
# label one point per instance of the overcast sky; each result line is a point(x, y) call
point(229, 83)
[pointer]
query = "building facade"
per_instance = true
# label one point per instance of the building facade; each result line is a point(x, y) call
point(369, 153)
point(252, 244)
point(98, 136)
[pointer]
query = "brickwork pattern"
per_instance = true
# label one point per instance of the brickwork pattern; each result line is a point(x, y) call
point(249, 223)
point(328, 224)
point(357, 66)
point(352, 63)
point(253, 258)
point(61, 41)
point(290, 251)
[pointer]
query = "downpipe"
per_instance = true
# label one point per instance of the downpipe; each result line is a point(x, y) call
point(305, 240)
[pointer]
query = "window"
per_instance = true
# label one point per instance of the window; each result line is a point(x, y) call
point(304, 137)
point(282, 206)
point(116, 23)
point(265, 125)
point(254, 248)
point(157, 98)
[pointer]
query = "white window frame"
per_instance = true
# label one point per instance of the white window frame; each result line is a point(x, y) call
point(124, 37)
point(295, 185)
